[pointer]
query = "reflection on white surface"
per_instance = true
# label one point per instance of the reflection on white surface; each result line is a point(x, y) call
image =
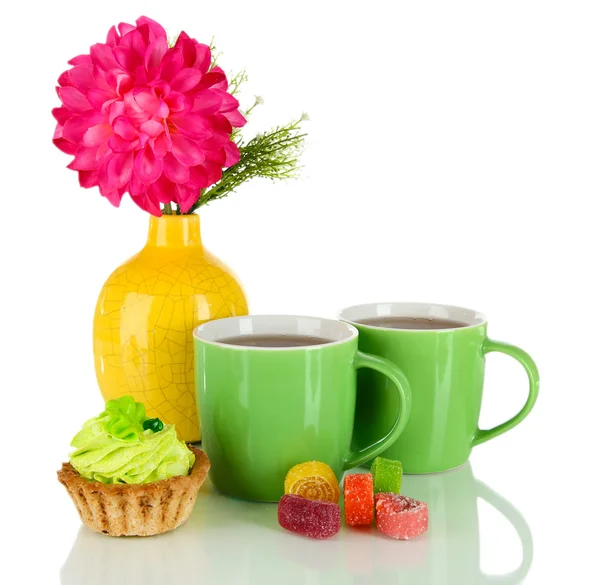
point(231, 541)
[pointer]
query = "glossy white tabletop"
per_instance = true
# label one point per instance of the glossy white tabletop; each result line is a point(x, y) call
point(232, 541)
point(487, 525)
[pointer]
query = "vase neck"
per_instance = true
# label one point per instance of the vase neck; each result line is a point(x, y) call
point(174, 231)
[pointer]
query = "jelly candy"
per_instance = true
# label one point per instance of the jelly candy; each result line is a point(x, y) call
point(400, 517)
point(312, 518)
point(313, 480)
point(358, 499)
point(387, 475)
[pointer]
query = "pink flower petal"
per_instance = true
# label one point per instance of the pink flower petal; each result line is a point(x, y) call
point(64, 145)
point(163, 110)
point(81, 60)
point(146, 203)
point(174, 170)
point(99, 98)
point(112, 195)
point(186, 151)
point(207, 101)
point(145, 33)
point(102, 56)
point(220, 123)
point(186, 80)
point(215, 79)
point(216, 156)
point(203, 57)
point(171, 64)
point(177, 102)
point(235, 118)
point(198, 177)
point(125, 27)
point(103, 153)
point(88, 179)
point(152, 128)
point(118, 144)
point(216, 141)
point(229, 102)
point(124, 128)
point(97, 135)
point(147, 166)
point(85, 160)
point(147, 101)
point(82, 77)
point(157, 31)
point(61, 115)
point(136, 187)
point(129, 59)
point(114, 110)
point(232, 154)
point(193, 125)
point(112, 38)
point(154, 54)
point(187, 196)
point(161, 88)
point(120, 167)
point(140, 76)
point(100, 78)
point(161, 145)
point(134, 41)
point(164, 190)
point(76, 126)
point(73, 99)
point(214, 172)
point(65, 78)
point(120, 81)
point(188, 49)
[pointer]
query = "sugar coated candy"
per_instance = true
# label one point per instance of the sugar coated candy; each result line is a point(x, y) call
point(387, 475)
point(313, 480)
point(400, 517)
point(312, 518)
point(358, 499)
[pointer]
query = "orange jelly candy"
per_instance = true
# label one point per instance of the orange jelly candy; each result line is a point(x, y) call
point(313, 480)
point(359, 499)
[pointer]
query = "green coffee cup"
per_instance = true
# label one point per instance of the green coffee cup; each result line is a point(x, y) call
point(265, 409)
point(445, 369)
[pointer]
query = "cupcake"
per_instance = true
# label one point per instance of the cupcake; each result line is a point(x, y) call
point(130, 475)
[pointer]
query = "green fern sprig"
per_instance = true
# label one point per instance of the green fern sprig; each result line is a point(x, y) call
point(271, 155)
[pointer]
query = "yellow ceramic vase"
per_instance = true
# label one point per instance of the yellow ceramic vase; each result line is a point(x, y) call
point(145, 315)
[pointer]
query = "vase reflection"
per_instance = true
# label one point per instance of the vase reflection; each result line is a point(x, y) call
point(232, 541)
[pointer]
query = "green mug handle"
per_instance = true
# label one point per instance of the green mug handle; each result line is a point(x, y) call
point(523, 531)
point(394, 373)
point(481, 436)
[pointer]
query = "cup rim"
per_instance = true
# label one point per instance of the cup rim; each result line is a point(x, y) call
point(214, 323)
point(478, 319)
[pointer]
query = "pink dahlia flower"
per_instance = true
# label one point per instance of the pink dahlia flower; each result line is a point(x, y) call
point(147, 119)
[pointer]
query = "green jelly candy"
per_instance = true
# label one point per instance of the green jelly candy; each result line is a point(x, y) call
point(387, 475)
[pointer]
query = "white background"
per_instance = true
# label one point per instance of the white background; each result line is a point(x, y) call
point(453, 157)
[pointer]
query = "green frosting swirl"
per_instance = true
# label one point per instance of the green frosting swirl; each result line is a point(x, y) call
point(114, 447)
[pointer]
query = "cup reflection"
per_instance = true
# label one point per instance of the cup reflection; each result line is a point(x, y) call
point(233, 541)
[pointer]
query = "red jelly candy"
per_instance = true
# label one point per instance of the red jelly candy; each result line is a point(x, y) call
point(358, 499)
point(400, 517)
point(314, 518)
